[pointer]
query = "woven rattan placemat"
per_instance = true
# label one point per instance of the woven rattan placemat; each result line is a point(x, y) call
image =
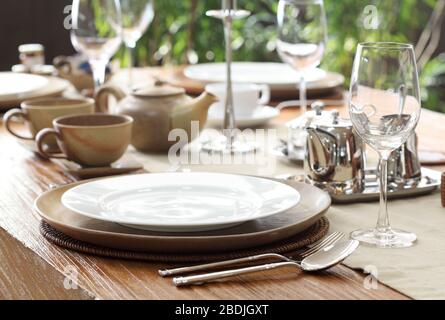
point(310, 235)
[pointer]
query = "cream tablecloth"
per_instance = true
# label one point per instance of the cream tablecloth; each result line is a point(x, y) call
point(418, 272)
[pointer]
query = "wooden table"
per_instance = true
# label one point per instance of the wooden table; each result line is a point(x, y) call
point(33, 268)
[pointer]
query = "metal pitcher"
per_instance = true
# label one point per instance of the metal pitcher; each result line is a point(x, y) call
point(296, 140)
point(334, 156)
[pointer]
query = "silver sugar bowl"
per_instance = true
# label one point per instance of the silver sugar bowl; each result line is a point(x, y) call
point(403, 164)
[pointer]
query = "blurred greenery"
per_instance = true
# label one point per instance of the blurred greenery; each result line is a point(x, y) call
point(181, 33)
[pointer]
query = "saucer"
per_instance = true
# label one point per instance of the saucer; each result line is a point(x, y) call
point(261, 116)
point(282, 153)
point(121, 166)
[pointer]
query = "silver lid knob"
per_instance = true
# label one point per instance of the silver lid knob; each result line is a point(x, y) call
point(335, 115)
point(318, 107)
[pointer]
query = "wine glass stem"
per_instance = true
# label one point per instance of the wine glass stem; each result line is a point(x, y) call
point(303, 98)
point(98, 67)
point(229, 116)
point(131, 60)
point(383, 220)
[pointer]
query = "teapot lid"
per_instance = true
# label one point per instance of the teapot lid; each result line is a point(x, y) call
point(158, 91)
point(333, 120)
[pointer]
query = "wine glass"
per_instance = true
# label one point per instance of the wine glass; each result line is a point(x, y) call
point(230, 142)
point(302, 36)
point(96, 33)
point(136, 17)
point(384, 108)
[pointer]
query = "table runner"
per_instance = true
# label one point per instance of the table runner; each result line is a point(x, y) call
point(418, 272)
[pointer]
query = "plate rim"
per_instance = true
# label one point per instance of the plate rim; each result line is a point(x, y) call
point(55, 223)
point(264, 107)
point(55, 87)
point(186, 72)
point(18, 95)
point(173, 226)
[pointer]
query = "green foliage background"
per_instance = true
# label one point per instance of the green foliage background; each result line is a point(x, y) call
point(181, 33)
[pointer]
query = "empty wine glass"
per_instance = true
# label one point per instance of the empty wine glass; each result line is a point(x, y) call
point(384, 108)
point(96, 33)
point(231, 141)
point(302, 36)
point(136, 17)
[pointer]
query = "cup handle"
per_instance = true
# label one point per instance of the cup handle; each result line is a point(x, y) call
point(265, 94)
point(63, 65)
point(8, 118)
point(102, 97)
point(39, 140)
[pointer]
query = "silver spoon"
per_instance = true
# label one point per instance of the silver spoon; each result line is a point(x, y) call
point(321, 260)
point(320, 245)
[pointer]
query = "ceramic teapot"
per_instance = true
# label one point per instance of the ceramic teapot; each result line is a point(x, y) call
point(156, 111)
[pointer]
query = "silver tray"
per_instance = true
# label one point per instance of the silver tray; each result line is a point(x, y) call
point(430, 181)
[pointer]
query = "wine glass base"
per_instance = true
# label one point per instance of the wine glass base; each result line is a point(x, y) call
point(221, 146)
point(392, 238)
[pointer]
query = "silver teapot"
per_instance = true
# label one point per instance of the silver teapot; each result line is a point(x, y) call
point(334, 156)
point(296, 139)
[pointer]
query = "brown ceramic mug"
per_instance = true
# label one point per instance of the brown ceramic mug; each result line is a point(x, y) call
point(94, 140)
point(40, 113)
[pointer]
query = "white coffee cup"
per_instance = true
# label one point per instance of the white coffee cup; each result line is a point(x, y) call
point(246, 98)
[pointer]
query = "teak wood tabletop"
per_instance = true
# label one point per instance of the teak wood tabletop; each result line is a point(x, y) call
point(33, 268)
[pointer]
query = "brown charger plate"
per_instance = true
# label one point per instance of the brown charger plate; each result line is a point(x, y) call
point(326, 86)
point(313, 205)
point(55, 87)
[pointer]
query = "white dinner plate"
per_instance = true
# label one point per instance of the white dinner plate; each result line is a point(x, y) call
point(270, 73)
point(180, 202)
point(261, 116)
point(55, 87)
point(13, 84)
point(313, 205)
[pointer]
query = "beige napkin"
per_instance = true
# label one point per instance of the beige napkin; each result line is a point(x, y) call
point(419, 271)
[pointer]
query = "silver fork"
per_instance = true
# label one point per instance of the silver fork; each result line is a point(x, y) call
point(324, 243)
